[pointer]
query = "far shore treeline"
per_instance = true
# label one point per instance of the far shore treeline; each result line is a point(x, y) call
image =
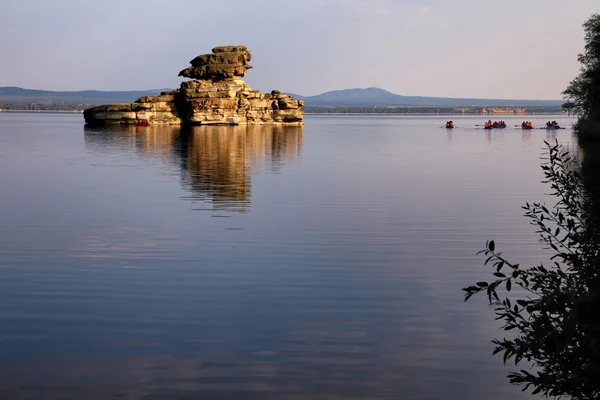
point(388, 110)
point(430, 110)
point(347, 101)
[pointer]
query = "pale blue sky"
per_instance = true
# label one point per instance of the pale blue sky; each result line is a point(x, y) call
point(460, 48)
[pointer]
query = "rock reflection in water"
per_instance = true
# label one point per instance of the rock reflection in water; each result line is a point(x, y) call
point(216, 161)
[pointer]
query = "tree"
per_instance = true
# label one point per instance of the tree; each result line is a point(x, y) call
point(555, 315)
point(583, 93)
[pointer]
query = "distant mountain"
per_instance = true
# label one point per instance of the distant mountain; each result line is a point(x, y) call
point(346, 97)
point(379, 97)
point(12, 94)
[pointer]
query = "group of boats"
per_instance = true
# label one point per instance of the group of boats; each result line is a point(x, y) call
point(550, 125)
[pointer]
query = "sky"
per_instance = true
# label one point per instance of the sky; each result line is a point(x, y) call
point(525, 49)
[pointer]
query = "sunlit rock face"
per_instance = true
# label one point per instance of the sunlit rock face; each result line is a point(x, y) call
point(225, 62)
point(215, 95)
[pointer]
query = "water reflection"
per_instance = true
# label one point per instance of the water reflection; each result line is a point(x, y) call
point(449, 135)
point(494, 135)
point(216, 162)
point(343, 282)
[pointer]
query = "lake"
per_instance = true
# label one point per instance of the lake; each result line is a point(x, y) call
point(323, 261)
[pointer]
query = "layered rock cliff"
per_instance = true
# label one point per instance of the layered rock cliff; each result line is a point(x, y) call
point(215, 95)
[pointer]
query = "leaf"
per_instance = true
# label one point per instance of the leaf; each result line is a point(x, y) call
point(491, 245)
point(506, 354)
point(508, 285)
point(482, 284)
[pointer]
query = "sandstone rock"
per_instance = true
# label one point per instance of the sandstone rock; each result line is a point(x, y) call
point(118, 107)
point(287, 103)
point(287, 116)
point(216, 95)
point(226, 62)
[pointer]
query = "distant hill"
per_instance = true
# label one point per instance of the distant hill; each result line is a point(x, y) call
point(380, 97)
point(12, 94)
point(346, 97)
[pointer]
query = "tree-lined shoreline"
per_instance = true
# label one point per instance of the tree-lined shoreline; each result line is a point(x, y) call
point(366, 110)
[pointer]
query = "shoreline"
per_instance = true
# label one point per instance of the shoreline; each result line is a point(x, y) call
point(433, 114)
point(311, 113)
point(43, 111)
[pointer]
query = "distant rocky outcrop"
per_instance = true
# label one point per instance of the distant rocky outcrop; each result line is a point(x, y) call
point(215, 95)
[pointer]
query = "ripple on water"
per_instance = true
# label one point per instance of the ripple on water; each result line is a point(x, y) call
point(256, 262)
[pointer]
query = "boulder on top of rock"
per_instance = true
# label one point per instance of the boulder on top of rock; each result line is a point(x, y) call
point(225, 62)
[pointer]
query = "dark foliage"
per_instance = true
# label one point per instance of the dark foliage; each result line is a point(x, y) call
point(583, 93)
point(555, 309)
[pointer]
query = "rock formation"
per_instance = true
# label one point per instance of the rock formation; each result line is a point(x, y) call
point(225, 62)
point(216, 95)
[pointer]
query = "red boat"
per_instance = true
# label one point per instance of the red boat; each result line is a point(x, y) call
point(141, 119)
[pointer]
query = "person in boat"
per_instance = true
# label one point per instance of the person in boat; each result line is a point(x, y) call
point(449, 124)
point(548, 124)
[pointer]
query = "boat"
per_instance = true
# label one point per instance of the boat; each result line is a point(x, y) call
point(553, 127)
point(526, 127)
point(495, 125)
point(449, 126)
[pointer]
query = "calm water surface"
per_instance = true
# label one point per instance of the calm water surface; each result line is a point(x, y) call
point(323, 261)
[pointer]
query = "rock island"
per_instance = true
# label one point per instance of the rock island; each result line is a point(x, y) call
point(215, 95)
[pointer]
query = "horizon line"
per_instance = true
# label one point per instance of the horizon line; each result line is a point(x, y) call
point(296, 94)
